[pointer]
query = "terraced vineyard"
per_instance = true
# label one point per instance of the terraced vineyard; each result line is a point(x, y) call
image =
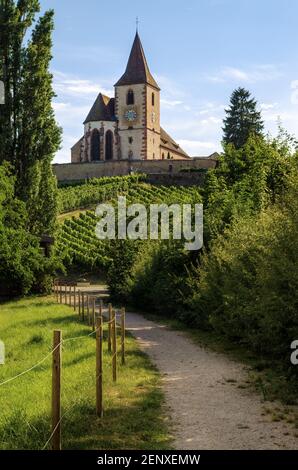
point(77, 243)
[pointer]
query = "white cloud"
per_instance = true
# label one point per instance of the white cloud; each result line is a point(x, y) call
point(266, 106)
point(66, 85)
point(253, 74)
point(170, 103)
point(170, 89)
point(198, 147)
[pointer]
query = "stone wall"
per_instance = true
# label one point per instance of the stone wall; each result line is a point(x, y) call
point(79, 171)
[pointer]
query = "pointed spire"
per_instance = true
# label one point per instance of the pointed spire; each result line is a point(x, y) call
point(137, 70)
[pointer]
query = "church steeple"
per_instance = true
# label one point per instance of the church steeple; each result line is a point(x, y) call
point(137, 70)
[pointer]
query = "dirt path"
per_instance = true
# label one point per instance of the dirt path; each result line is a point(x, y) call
point(207, 408)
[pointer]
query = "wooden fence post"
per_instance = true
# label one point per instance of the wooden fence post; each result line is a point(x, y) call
point(70, 299)
point(65, 294)
point(74, 298)
point(93, 314)
point(83, 306)
point(99, 394)
point(56, 391)
point(60, 293)
point(88, 309)
point(79, 301)
point(123, 336)
point(110, 329)
point(57, 290)
point(114, 345)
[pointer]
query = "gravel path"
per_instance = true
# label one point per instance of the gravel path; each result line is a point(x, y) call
point(207, 408)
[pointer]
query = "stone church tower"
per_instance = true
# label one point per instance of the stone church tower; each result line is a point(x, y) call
point(127, 127)
point(137, 108)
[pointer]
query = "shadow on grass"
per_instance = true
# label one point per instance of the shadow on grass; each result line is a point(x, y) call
point(138, 425)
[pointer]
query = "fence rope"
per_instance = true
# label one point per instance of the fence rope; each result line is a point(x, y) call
point(33, 367)
point(46, 357)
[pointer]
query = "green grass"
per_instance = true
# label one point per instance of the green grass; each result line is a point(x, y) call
point(133, 408)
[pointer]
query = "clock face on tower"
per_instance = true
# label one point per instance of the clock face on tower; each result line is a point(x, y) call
point(130, 115)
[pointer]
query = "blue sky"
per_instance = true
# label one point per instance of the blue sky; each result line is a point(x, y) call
point(198, 50)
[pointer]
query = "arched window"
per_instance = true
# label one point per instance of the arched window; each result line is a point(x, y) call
point(109, 145)
point(153, 99)
point(163, 156)
point(169, 156)
point(130, 98)
point(95, 146)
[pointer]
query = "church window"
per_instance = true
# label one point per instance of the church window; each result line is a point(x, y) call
point(95, 146)
point(130, 99)
point(169, 156)
point(109, 145)
point(130, 140)
point(153, 99)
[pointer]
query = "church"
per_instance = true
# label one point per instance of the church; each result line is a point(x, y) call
point(127, 126)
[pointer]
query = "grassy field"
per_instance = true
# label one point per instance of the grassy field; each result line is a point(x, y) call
point(133, 414)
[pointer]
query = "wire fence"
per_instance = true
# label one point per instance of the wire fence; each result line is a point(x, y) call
point(97, 320)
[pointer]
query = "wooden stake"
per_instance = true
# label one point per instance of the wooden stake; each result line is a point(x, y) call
point(114, 345)
point(110, 329)
point(93, 314)
point(79, 293)
point(83, 306)
point(74, 298)
point(56, 391)
point(99, 394)
point(88, 309)
point(123, 336)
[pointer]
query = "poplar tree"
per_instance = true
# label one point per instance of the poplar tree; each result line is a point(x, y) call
point(242, 119)
point(29, 133)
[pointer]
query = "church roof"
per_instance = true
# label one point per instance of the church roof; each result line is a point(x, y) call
point(170, 145)
point(137, 70)
point(102, 109)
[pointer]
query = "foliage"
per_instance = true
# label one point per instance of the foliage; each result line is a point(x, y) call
point(242, 119)
point(22, 264)
point(247, 283)
point(29, 134)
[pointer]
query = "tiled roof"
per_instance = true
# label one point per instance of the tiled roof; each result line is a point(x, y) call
point(137, 70)
point(102, 109)
point(170, 145)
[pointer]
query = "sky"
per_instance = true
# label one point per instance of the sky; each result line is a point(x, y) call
point(199, 51)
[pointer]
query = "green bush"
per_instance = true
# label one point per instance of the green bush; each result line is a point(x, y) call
point(23, 268)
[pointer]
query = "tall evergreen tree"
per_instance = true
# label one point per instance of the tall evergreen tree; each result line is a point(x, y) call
point(242, 119)
point(29, 134)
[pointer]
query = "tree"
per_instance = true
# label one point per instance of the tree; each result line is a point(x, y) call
point(242, 119)
point(29, 134)
point(23, 268)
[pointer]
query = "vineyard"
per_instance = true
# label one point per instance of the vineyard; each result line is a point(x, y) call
point(77, 243)
point(81, 194)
